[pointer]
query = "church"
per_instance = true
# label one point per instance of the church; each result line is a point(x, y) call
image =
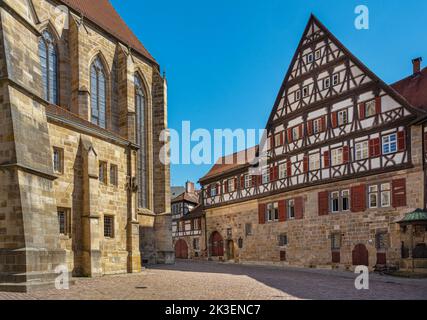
point(82, 106)
point(344, 182)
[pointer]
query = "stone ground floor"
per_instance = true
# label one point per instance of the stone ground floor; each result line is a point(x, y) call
point(217, 281)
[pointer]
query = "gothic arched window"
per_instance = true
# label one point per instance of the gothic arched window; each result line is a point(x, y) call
point(141, 141)
point(49, 67)
point(98, 89)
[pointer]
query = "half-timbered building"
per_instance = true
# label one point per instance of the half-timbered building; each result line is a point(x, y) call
point(345, 164)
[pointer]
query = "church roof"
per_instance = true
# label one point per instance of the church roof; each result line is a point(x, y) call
point(103, 14)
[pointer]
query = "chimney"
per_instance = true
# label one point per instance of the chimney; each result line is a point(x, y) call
point(189, 187)
point(417, 65)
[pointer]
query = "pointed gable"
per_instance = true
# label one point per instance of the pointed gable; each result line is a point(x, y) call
point(323, 69)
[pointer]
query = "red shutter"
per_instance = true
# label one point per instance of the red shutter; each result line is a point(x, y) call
point(323, 122)
point(310, 128)
point(299, 208)
point(305, 164)
point(254, 180)
point(326, 159)
point(346, 154)
point(235, 183)
point(289, 168)
point(242, 182)
point(374, 147)
point(271, 169)
point(358, 198)
point(226, 186)
point(362, 108)
point(217, 188)
point(401, 143)
point(289, 135)
point(282, 138)
point(262, 210)
point(323, 203)
point(208, 190)
point(272, 141)
point(399, 193)
point(334, 119)
point(378, 108)
point(259, 179)
point(282, 210)
point(301, 131)
point(276, 173)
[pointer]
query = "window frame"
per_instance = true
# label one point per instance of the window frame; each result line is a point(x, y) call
point(336, 241)
point(370, 105)
point(341, 120)
point(332, 201)
point(60, 152)
point(272, 213)
point(389, 143)
point(282, 240)
point(97, 73)
point(66, 212)
point(335, 76)
point(317, 125)
point(103, 178)
point(337, 154)
point(290, 209)
point(48, 40)
point(307, 60)
point(114, 175)
point(283, 171)
point(317, 162)
point(348, 197)
point(364, 148)
point(248, 181)
point(111, 227)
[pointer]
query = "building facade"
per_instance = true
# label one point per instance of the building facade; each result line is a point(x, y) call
point(188, 224)
point(83, 104)
point(345, 162)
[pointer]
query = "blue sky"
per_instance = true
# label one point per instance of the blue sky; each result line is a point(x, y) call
point(226, 59)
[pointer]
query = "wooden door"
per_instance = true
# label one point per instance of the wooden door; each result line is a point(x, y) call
point(360, 255)
point(181, 249)
point(217, 245)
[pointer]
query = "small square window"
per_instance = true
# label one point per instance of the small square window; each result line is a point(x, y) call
point(390, 144)
point(58, 160)
point(336, 79)
point(305, 92)
point(108, 227)
point(114, 179)
point(103, 172)
point(297, 95)
point(326, 83)
point(283, 240)
point(318, 54)
point(310, 58)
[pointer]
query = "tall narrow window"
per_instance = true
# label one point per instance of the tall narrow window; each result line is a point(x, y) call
point(98, 89)
point(141, 141)
point(49, 67)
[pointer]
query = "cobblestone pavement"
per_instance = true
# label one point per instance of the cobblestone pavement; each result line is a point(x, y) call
point(211, 281)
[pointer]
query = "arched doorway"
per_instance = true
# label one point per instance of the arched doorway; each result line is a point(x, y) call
point(217, 245)
point(181, 249)
point(360, 255)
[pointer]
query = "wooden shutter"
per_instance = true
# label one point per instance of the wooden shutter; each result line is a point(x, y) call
point(299, 208)
point(301, 130)
point(358, 198)
point(399, 193)
point(289, 135)
point(323, 203)
point(378, 107)
point(217, 188)
point(362, 108)
point(326, 159)
point(310, 128)
point(226, 186)
point(282, 140)
point(289, 168)
point(276, 172)
point(235, 183)
point(262, 210)
point(346, 154)
point(374, 147)
point(271, 173)
point(242, 182)
point(305, 165)
point(336, 257)
point(401, 143)
point(323, 123)
point(254, 181)
point(334, 119)
point(208, 190)
point(259, 180)
point(282, 210)
point(272, 141)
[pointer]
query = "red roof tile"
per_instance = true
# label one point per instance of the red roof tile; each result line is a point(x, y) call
point(414, 89)
point(103, 14)
point(231, 162)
